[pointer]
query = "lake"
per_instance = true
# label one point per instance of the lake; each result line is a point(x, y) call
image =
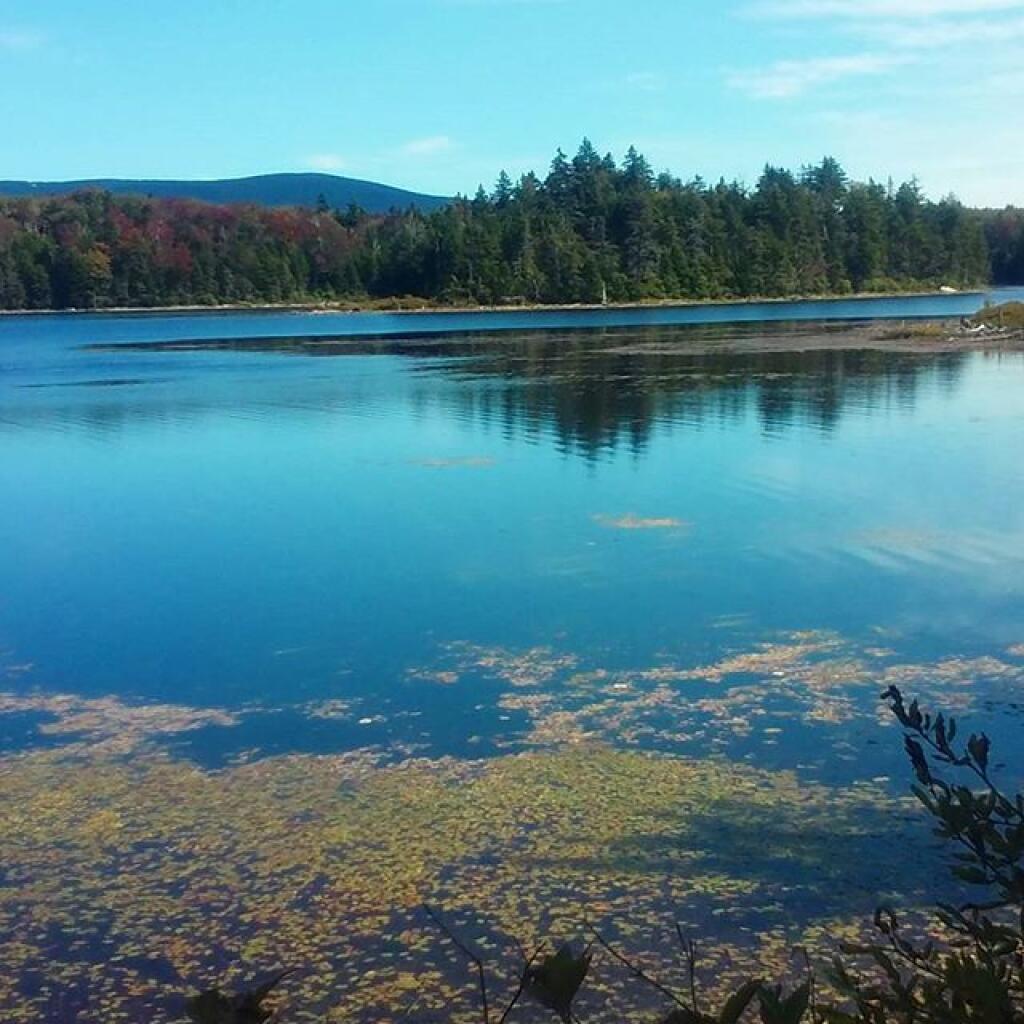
point(518, 613)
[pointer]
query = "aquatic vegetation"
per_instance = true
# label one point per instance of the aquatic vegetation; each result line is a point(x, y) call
point(633, 522)
point(137, 880)
point(130, 881)
point(534, 666)
point(797, 680)
point(966, 971)
point(767, 657)
point(110, 723)
point(442, 678)
point(329, 709)
point(771, 692)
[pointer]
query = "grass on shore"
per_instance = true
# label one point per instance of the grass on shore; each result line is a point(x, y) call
point(929, 330)
point(1009, 314)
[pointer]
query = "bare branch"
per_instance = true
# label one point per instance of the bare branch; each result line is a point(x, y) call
point(522, 980)
point(636, 971)
point(469, 954)
point(690, 954)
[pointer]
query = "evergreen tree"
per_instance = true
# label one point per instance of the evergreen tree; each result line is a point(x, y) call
point(590, 231)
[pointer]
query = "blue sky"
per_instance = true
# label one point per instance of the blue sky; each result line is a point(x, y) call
point(439, 95)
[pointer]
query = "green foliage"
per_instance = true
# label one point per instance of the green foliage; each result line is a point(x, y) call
point(977, 973)
point(777, 1008)
point(590, 232)
point(1004, 234)
point(732, 1009)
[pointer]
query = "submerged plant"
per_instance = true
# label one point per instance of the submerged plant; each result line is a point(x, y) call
point(972, 974)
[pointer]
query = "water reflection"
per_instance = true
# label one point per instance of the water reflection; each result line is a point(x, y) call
point(592, 392)
point(595, 399)
point(357, 502)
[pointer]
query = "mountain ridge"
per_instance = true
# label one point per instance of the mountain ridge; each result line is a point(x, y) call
point(285, 189)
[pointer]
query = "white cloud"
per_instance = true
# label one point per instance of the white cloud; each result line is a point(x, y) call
point(430, 146)
point(326, 162)
point(788, 78)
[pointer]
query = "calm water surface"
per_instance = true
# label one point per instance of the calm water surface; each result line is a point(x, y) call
point(265, 530)
point(481, 538)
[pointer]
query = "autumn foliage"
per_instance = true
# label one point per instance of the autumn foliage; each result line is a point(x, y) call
point(591, 231)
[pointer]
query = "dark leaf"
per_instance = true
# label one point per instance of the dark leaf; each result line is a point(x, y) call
point(738, 1002)
point(556, 980)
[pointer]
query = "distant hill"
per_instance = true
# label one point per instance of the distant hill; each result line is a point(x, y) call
point(264, 189)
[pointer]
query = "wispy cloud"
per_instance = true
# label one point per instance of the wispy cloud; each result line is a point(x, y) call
point(883, 142)
point(326, 162)
point(891, 32)
point(647, 81)
point(502, 3)
point(938, 33)
point(430, 146)
point(788, 78)
point(20, 39)
point(866, 9)
point(910, 24)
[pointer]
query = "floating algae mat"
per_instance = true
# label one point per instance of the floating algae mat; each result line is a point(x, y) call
point(133, 874)
point(129, 882)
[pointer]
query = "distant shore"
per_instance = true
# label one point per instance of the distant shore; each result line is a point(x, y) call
point(413, 305)
point(916, 335)
point(919, 338)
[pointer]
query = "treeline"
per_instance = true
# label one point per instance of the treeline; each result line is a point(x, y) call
point(1004, 231)
point(591, 231)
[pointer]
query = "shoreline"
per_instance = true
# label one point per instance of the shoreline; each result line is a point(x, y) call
point(341, 308)
point(924, 336)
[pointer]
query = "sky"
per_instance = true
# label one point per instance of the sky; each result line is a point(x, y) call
point(440, 95)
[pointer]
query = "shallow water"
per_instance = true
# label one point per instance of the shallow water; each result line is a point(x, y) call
point(488, 542)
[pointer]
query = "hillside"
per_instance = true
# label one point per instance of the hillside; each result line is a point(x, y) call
point(265, 190)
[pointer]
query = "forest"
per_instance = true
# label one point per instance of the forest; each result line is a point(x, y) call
point(593, 230)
